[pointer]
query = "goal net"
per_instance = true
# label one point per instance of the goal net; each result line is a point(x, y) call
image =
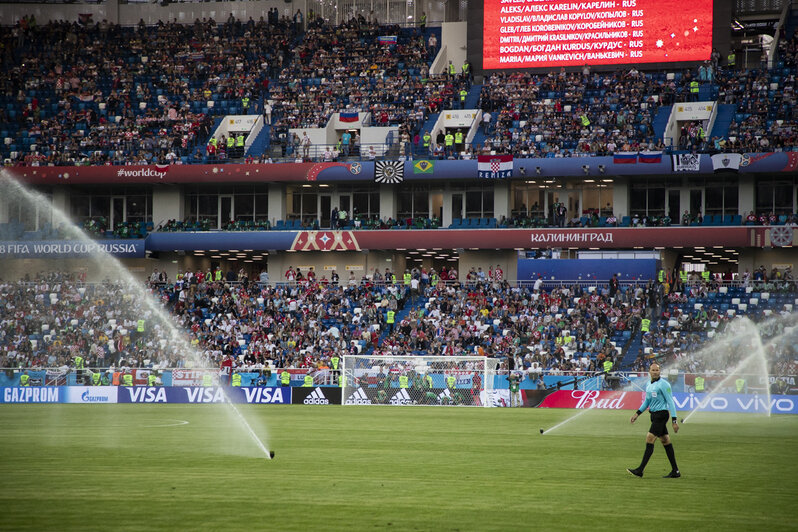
point(418, 380)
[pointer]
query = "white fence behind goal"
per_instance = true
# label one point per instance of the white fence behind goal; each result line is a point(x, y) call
point(418, 380)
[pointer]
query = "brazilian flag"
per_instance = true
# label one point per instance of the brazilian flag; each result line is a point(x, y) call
point(423, 167)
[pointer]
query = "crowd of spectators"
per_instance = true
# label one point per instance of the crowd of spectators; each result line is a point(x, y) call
point(681, 338)
point(303, 320)
point(347, 68)
point(766, 117)
point(561, 114)
point(70, 98)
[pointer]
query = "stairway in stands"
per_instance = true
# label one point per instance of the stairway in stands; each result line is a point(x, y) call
point(661, 120)
point(400, 315)
point(725, 115)
point(261, 143)
point(472, 100)
point(632, 350)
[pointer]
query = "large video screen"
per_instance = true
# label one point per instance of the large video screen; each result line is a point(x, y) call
point(553, 33)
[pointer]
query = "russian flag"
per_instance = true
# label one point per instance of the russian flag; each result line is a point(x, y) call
point(348, 117)
point(387, 39)
point(625, 157)
point(650, 157)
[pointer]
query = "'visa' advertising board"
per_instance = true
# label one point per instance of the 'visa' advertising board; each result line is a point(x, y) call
point(200, 394)
point(99, 395)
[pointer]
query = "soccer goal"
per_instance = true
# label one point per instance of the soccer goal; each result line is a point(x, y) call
point(418, 380)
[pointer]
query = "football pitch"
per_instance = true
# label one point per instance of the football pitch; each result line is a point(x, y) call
point(191, 467)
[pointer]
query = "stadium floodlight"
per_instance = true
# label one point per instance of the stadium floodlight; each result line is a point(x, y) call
point(419, 380)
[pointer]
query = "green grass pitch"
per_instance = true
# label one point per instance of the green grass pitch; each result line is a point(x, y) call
point(190, 467)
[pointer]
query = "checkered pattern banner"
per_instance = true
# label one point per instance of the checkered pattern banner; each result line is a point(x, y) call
point(495, 166)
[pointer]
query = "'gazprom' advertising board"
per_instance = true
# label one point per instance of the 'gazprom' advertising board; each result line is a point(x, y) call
point(685, 402)
point(90, 394)
point(33, 394)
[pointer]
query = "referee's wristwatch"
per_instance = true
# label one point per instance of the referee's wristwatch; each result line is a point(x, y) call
point(674, 420)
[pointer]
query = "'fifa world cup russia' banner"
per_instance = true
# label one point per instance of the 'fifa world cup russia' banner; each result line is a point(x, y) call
point(730, 402)
point(65, 249)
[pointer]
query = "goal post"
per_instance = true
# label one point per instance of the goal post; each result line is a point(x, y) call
point(418, 380)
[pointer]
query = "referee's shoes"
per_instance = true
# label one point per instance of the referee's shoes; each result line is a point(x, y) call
point(673, 474)
point(636, 472)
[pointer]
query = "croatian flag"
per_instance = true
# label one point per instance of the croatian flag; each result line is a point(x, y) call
point(625, 157)
point(348, 117)
point(495, 166)
point(386, 39)
point(650, 157)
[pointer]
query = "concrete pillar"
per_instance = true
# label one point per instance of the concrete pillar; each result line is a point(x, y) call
point(276, 203)
point(61, 199)
point(167, 204)
point(746, 194)
point(501, 199)
point(446, 219)
point(620, 197)
point(387, 202)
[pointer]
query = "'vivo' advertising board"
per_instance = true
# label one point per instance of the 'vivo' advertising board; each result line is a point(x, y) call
point(732, 403)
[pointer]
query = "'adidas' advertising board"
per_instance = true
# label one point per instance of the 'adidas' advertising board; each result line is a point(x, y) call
point(401, 398)
point(358, 397)
point(318, 395)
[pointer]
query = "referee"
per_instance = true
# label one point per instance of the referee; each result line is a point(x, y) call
point(659, 401)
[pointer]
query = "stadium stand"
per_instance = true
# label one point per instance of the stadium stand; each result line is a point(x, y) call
point(302, 324)
point(159, 93)
point(95, 107)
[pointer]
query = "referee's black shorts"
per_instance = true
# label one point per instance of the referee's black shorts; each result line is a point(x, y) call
point(659, 423)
